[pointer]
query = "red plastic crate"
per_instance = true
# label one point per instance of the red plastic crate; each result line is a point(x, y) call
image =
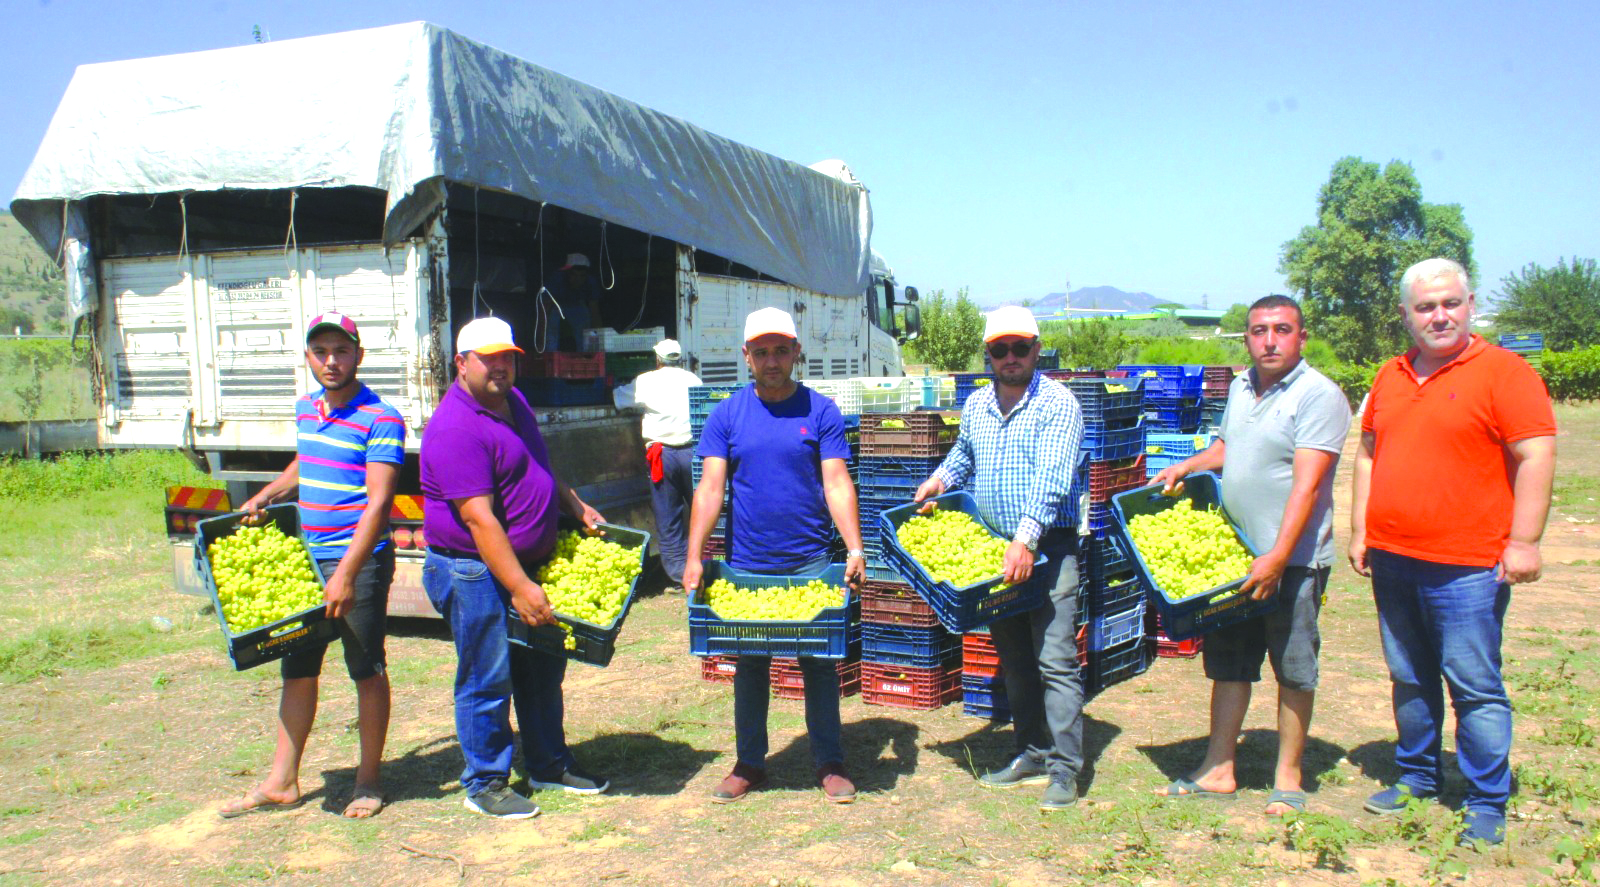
point(718, 669)
point(979, 658)
point(1216, 380)
point(564, 365)
point(788, 682)
point(899, 686)
point(1108, 478)
point(894, 603)
point(1178, 649)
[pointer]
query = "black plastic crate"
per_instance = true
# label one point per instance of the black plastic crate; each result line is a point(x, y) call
point(594, 644)
point(274, 640)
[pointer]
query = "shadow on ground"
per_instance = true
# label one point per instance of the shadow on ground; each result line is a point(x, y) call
point(1255, 760)
point(993, 745)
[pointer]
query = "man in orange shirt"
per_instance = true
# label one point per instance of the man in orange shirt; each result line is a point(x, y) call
point(1452, 487)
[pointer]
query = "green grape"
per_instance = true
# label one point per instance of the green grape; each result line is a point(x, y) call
point(953, 547)
point(262, 576)
point(1189, 551)
point(789, 603)
point(587, 578)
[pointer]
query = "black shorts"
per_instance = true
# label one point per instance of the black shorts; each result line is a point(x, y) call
point(363, 627)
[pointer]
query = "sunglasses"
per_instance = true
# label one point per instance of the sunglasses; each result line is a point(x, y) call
point(1017, 349)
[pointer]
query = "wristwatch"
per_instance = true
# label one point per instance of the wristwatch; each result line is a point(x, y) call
point(855, 552)
point(1031, 545)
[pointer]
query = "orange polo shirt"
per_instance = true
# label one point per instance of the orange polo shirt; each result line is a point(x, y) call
point(1441, 471)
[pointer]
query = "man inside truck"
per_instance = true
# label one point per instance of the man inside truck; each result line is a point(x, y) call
point(349, 447)
point(571, 306)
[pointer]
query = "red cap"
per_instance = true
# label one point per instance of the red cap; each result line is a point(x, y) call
point(333, 320)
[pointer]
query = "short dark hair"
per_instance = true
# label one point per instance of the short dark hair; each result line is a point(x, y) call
point(1277, 301)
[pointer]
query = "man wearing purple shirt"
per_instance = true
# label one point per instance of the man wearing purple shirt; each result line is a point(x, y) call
point(489, 514)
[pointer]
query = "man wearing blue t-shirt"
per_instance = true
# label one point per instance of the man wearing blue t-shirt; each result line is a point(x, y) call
point(782, 448)
point(349, 447)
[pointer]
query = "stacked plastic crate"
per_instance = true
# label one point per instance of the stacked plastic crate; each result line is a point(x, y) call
point(1214, 386)
point(627, 354)
point(908, 659)
point(1111, 637)
point(1171, 395)
point(983, 686)
point(702, 400)
point(564, 379)
point(1529, 346)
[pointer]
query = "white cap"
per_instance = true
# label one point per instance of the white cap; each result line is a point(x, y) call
point(1010, 320)
point(486, 335)
point(575, 260)
point(767, 321)
point(669, 350)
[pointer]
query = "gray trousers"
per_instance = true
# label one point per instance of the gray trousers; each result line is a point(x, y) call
point(1039, 653)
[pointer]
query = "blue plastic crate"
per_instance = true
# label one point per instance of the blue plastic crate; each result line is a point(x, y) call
point(889, 476)
point(547, 392)
point(967, 384)
point(1213, 609)
point(594, 644)
point(959, 609)
point(985, 698)
point(1117, 627)
point(1100, 403)
point(828, 636)
point(1110, 667)
point(1099, 520)
point(1172, 415)
point(1185, 380)
point(1105, 444)
point(704, 398)
point(1105, 559)
point(1522, 342)
point(912, 646)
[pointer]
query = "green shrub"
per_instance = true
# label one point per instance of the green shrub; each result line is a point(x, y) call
point(1573, 375)
point(1354, 379)
point(1211, 352)
point(74, 473)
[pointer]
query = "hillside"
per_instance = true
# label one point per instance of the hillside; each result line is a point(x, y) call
point(1101, 298)
point(32, 293)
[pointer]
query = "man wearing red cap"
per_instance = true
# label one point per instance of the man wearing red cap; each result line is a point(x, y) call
point(349, 445)
point(781, 447)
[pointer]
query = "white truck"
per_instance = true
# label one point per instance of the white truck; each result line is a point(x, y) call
point(207, 205)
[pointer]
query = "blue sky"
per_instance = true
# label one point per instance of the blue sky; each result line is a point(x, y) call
point(1164, 147)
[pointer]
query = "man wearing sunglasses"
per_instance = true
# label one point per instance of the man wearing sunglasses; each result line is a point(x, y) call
point(1017, 450)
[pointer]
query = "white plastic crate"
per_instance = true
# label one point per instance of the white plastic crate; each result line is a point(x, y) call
point(844, 392)
point(608, 339)
point(890, 394)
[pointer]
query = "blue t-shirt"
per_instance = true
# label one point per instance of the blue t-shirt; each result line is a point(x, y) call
point(334, 447)
point(778, 518)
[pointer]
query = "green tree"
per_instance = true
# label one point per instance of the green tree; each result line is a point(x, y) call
point(1234, 319)
point(1562, 302)
point(952, 331)
point(1371, 225)
point(1095, 343)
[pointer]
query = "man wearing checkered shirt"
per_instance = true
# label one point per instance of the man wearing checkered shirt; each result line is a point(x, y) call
point(1018, 448)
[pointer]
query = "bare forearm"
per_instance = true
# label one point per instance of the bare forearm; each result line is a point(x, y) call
point(1208, 459)
point(283, 486)
point(842, 505)
point(494, 547)
point(1361, 485)
point(703, 517)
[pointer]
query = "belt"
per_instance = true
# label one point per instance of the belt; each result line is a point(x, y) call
point(671, 446)
point(451, 552)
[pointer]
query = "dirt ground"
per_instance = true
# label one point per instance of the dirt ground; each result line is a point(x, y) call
point(113, 775)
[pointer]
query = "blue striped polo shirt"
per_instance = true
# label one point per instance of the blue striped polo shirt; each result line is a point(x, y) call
point(334, 447)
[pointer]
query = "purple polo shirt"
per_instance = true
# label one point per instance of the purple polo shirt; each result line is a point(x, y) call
point(468, 450)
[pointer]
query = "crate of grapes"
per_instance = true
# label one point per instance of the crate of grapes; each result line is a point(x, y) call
point(591, 588)
point(925, 434)
point(263, 581)
point(978, 600)
point(827, 632)
point(1193, 560)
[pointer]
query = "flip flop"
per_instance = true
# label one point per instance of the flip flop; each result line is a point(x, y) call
point(1184, 787)
point(260, 803)
point(367, 803)
point(1291, 798)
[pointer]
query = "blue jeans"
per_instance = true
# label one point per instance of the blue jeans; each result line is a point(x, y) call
point(752, 693)
point(493, 675)
point(1443, 619)
point(1039, 655)
point(671, 499)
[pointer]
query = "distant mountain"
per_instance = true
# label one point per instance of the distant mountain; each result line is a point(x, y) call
point(1103, 298)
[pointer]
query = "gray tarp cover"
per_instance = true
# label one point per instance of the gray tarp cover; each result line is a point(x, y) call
point(408, 107)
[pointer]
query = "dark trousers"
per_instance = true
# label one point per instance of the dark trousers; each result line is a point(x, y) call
point(671, 498)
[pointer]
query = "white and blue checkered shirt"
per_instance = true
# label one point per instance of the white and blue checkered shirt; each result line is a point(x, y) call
point(1020, 466)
